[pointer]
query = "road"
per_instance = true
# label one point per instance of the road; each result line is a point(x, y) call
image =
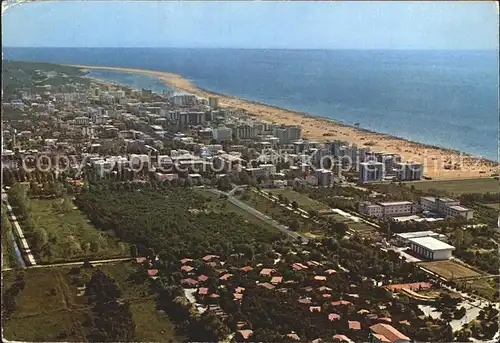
point(77, 263)
point(258, 214)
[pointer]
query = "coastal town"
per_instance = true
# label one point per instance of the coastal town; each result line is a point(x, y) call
point(202, 220)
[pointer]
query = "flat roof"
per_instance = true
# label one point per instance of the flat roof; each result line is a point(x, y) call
point(406, 218)
point(459, 208)
point(408, 235)
point(447, 200)
point(431, 243)
point(395, 203)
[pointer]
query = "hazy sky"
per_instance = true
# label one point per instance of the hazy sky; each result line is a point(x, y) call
point(322, 25)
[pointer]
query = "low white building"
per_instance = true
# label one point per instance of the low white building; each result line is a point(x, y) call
point(404, 238)
point(431, 248)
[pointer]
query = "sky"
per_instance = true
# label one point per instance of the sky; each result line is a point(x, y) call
point(266, 25)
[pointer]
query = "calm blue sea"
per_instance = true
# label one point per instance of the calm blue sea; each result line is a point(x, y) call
point(446, 98)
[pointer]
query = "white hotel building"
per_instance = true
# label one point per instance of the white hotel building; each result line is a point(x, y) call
point(446, 207)
point(388, 209)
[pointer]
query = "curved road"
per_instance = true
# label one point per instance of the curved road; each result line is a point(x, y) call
point(259, 215)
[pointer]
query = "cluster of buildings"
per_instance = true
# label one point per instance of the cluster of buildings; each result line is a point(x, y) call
point(315, 297)
point(406, 210)
point(79, 117)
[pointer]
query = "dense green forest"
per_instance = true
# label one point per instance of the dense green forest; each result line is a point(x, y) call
point(172, 221)
point(17, 75)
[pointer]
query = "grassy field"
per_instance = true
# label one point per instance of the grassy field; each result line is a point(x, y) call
point(219, 204)
point(458, 186)
point(279, 213)
point(487, 288)
point(9, 258)
point(449, 269)
point(70, 234)
point(304, 201)
point(48, 308)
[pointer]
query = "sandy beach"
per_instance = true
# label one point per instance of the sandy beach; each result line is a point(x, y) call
point(439, 163)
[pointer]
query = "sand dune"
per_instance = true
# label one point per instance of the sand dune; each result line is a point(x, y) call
point(439, 163)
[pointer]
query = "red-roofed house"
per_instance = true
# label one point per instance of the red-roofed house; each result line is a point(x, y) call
point(341, 303)
point(209, 257)
point(225, 277)
point(324, 289)
point(385, 320)
point(320, 278)
point(387, 334)
point(326, 296)
point(330, 271)
point(246, 269)
point(293, 336)
point(333, 316)
point(152, 272)
point(186, 260)
point(298, 266)
point(266, 272)
point(239, 289)
point(186, 269)
point(202, 278)
point(276, 279)
point(203, 291)
point(342, 339)
point(238, 296)
point(189, 282)
point(354, 325)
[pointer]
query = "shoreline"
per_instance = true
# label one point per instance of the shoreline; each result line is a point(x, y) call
point(433, 158)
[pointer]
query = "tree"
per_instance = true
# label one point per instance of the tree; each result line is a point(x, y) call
point(40, 238)
point(295, 205)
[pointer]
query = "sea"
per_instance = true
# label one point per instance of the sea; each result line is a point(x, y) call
point(443, 98)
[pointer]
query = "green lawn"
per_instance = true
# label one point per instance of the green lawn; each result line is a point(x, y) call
point(277, 212)
point(487, 288)
point(219, 204)
point(48, 308)
point(304, 201)
point(70, 234)
point(458, 187)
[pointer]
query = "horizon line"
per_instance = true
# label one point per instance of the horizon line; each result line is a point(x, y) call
point(247, 48)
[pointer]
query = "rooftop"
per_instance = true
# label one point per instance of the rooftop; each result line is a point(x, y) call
point(431, 243)
point(395, 203)
point(459, 208)
point(410, 235)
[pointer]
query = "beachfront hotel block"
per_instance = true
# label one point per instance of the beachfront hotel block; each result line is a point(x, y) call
point(431, 248)
point(371, 171)
point(408, 171)
point(446, 207)
point(287, 133)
